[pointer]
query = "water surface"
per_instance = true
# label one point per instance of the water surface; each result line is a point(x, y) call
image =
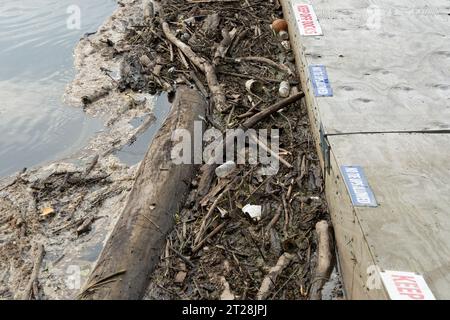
point(133, 153)
point(36, 64)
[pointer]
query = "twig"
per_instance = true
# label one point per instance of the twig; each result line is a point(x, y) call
point(267, 149)
point(152, 222)
point(272, 109)
point(186, 260)
point(207, 217)
point(35, 273)
point(257, 188)
point(262, 79)
point(230, 116)
point(250, 112)
point(211, 210)
point(255, 244)
point(274, 220)
point(284, 284)
point(281, 67)
point(286, 215)
point(222, 49)
point(198, 83)
point(210, 235)
point(211, 78)
point(271, 278)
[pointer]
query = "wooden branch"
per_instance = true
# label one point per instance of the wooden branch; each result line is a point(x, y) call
point(252, 121)
point(209, 236)
point(270, 279)
point(252, 76)
point(206, 218)
point(274, 220)
point(267, 149)
point(324, 262)
point(208, 215)
point(198, 83)
point(222, 49)
point(207, 68)
point(278, 66)
point(180, 255)
point(32, 283)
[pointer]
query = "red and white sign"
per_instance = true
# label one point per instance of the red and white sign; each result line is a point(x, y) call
point(306, 19)
point(406, 286)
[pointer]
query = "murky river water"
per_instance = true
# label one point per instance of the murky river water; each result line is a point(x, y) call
point(36, 64)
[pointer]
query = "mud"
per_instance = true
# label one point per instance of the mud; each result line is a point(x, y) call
point(76, 192)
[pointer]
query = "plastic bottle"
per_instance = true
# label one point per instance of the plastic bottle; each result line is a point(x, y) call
point(225, 169)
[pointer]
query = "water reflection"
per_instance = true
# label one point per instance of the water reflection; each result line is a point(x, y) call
point(36, 63)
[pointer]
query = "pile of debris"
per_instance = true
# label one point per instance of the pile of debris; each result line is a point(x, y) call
point(241, 234)
point(59, 211)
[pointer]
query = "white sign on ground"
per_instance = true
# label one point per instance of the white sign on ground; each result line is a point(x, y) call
point(402, 285)
point(306, 19)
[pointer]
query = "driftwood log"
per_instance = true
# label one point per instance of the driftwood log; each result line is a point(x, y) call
point(133, 249)
point(324, 260)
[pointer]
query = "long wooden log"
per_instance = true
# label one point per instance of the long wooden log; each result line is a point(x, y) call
point(133, 249)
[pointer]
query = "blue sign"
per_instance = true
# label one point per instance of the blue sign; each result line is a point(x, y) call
point(358, 187)
point(320, 82)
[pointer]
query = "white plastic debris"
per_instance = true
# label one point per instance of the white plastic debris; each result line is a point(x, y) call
point(285, 89)
point(223, 212)
point(286, 44)
point(171, 70)
point(283, 35)
point(253, 86)
point(226, 294)
point(254, 211)
point(225, 169)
